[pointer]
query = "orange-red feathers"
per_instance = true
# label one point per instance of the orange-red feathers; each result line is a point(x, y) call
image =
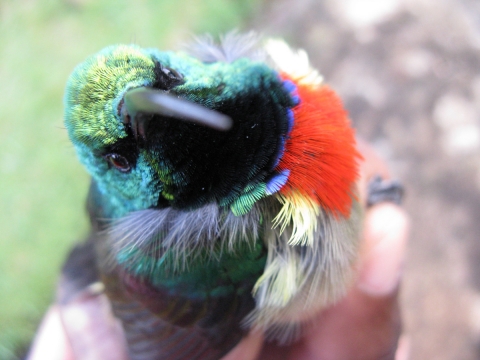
point(320, 152)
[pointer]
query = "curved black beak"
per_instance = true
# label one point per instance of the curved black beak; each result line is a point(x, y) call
point(146, 100)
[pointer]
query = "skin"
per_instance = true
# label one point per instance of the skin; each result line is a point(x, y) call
point(365, 325)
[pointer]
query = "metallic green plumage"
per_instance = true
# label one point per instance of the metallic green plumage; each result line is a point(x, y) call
point(191, 240)
point(92, 117)
point(95, 89)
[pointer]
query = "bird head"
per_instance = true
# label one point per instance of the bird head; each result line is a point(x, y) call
point(162, 129)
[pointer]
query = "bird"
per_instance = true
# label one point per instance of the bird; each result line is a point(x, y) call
point(223, 194)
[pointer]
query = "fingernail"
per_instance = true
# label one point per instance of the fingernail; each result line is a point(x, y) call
point(385, 238)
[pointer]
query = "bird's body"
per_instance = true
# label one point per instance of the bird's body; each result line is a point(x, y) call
point(201, 233)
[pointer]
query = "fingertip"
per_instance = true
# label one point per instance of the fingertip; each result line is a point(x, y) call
point(51, 342)
point(93, 330)
point(386, 220)
point(382, 257)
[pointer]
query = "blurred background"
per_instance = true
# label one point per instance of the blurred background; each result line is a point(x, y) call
point(408, 71)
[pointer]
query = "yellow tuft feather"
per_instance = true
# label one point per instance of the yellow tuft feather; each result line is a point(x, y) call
point(301, 212)
point(284, 281)
point(282, 278)
point(293, 63)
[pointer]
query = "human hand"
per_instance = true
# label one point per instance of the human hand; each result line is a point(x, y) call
point(366, 324)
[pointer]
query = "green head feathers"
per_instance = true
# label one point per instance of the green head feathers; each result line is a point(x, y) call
point(175, 163)
point(95, 89)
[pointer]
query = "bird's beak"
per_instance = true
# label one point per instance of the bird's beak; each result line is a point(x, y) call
point(146, 100)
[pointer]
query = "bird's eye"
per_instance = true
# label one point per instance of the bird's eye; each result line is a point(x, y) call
point(118, 162)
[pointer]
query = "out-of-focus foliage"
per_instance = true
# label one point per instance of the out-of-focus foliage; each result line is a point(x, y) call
point(42, 185)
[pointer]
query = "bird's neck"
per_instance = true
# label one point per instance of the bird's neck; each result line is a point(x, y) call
point(169, 246)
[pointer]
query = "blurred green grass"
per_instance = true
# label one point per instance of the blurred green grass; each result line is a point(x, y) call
point(42, 185)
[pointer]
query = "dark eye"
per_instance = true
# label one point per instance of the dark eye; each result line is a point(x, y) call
point(119, 162)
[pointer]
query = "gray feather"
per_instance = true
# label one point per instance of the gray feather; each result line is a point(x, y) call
point(231, 47)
